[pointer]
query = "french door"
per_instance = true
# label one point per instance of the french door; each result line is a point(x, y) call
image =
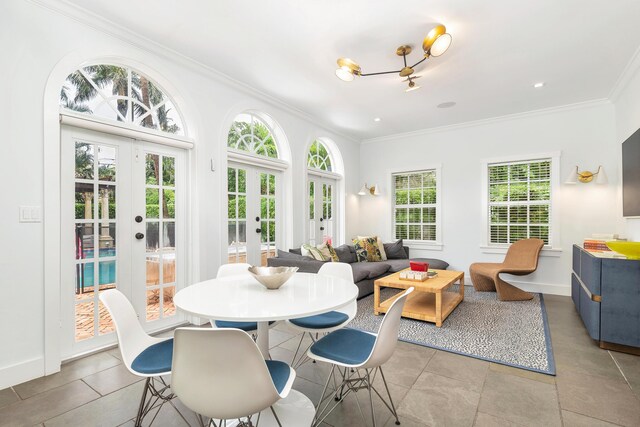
point(321, 197)
point(123, 227)
point(254, 215)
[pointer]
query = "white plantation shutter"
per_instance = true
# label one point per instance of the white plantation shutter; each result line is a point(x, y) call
point(415, 210)
point(519, 201)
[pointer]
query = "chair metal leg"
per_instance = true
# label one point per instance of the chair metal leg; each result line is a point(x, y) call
point(300, 360)
point(140, 415)
point(353, 382)
point(373, 413)
point(275, 416)
point(393, 407)
point(150, 396)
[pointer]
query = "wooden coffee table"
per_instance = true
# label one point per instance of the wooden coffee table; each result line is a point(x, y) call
point(430, 301)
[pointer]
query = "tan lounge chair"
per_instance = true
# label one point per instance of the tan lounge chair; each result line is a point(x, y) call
point(521, 259)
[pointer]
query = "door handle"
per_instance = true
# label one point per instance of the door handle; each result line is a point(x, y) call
point(139, 219)
point(258, 230)
point(139, 236)
point(321, 228)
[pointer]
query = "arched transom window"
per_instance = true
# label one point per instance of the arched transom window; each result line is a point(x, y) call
point(319, 157)
point(120, 94)
point(252, 134)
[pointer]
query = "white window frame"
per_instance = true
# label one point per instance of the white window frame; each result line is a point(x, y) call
point(554, 247)
point(437, 244)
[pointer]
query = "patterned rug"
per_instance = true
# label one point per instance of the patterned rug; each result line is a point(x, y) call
point(510, 333)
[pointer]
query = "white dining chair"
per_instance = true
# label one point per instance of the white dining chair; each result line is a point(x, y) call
point(221, 374)
point(314, 326)
point(353, 350)
point(229, 270)
point(143, 355)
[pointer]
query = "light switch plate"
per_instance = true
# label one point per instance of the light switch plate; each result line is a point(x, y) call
point(30, 214)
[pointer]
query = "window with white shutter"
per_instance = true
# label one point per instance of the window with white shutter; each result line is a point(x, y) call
point(519, 201)
point(416, 206)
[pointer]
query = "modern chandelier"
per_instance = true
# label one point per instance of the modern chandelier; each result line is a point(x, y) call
point(434, 44)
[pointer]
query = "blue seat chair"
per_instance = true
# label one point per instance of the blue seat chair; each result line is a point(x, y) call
point(221, 374)
point(320, 324)
point(143, 355)
point(358, 357)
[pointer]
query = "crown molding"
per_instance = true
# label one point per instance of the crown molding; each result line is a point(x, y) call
point(491, 120)
point(125, 35)
point(625, 77)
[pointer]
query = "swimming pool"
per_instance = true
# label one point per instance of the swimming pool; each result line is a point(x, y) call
point(85, 272)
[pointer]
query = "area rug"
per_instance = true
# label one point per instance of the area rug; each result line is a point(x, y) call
point(510, 333)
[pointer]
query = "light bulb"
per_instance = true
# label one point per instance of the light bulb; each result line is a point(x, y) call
point(344, 73)
point(441, 45)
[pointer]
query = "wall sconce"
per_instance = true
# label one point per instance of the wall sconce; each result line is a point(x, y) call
point(586, 176)
point(373, 190)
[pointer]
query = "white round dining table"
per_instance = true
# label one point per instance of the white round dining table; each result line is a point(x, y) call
point(243, 299)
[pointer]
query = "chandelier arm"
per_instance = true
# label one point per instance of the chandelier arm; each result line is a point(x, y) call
point(377, 74)
point(419, 62)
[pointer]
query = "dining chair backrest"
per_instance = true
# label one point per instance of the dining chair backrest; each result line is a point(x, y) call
point(388, 333)
point(220, 373)
point(132, 339)
point(237, 269)
point(341, 270)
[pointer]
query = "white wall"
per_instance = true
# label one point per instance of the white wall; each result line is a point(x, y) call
point(35, 42)
point(584, 134)
point(627, 113)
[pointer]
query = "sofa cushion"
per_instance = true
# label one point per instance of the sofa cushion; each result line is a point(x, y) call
point(346, 253)
point(377, 269)
point(396, 265)
point(292, 256)
point(395, 250)
point(297, 251)
point(434, 264)
point(360, 271)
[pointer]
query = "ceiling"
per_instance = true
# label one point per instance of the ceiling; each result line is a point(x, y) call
point(288, 49)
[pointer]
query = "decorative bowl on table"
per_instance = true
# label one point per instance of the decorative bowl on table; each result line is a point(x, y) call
point(272, 277)
point(629, 249)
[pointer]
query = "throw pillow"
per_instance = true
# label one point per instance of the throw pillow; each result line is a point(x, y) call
point(345, 254)
point(395, 250)
point(380, 246)
point(313, 252)
point(367, 249)
point(328, 252)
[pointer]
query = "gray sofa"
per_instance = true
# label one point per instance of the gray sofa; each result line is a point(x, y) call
point(364, 273)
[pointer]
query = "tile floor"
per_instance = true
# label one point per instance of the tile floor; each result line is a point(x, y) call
point(593, 387)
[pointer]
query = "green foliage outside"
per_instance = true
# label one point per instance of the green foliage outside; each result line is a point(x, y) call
point(144, 93)
point(253, 137)
point(318, 157)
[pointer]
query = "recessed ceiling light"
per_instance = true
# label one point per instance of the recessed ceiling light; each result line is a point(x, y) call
point(446, 104)
point(538, 85)
point(377, 119)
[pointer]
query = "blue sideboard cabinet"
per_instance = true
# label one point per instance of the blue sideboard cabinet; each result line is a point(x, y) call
point(606, 293)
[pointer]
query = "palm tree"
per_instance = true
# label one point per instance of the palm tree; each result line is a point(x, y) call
point(143, 94)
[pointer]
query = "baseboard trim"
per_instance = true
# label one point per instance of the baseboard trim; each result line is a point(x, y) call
point(543, 288)
point(21, 372)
